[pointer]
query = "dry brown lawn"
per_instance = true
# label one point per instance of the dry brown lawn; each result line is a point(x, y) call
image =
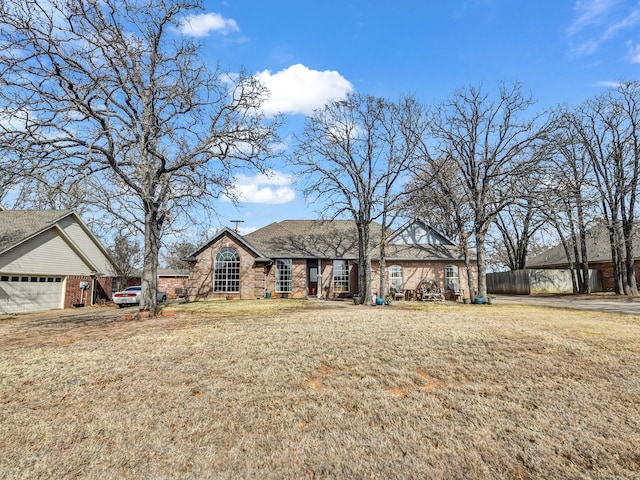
point(306, 389)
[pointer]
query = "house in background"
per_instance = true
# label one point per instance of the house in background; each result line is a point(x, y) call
point(172, 281)
point(598, 255)
point(318, 258)
point(50, 259)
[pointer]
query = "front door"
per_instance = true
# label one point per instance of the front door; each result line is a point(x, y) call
point(312, 277)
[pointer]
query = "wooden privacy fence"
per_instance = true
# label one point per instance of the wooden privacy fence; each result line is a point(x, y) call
point(535, 281)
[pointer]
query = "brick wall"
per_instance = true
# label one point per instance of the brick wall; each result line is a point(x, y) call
point(174, 286)
point(606, 275)
point(74, 295)
point(415, 272)
point(256, 278)
point(200, 282)
point(104, 290)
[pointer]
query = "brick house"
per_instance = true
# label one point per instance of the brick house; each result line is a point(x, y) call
point(598, 255)
point(170, 280)
point(318, 258)
point(50, 259)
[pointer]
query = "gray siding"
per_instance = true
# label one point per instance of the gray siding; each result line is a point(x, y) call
point(87, 245)
point(45, 254)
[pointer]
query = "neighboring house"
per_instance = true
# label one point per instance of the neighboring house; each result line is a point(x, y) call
point(172, 281)
point(598, 255)
point(300, 258)
point(50, 259)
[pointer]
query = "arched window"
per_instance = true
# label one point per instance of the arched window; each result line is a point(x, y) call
point(452, 278)
point(395, 278)
point(226, 271)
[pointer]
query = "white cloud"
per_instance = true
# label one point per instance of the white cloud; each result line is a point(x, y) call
point(272, 188)
point(599, 21)
point(607, 84)
point(201, 25)
point(589, 13)
point(298, 89)
point(634, 52)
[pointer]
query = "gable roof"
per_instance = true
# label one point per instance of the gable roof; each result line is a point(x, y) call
point(232, 233)
point(338, 239)
point(598, 249)
point(419, 232)
point(19, 226)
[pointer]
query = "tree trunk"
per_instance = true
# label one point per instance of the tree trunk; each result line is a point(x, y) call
point(617, 279)
point(577, 264)
point(383, 267)
point(364, 264)
point(482, 265)
point(152, 229)
point(585, 287)
point(467, 265)
point(383, 256)
point(632, 287)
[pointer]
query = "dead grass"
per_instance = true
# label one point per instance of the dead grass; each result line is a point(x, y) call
point(288, 389)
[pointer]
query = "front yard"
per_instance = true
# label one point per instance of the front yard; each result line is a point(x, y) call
point(312, 389)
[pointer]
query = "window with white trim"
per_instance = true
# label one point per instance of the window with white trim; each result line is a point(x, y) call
point(226, 271)
point(395, 278)
point(284, 273)
point(341, 276)
point(452, 278)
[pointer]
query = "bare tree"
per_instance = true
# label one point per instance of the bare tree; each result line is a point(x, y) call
point(354, 152)
point(519, 222)
point(491, 142)
point(177, 251)
point(608, 128)
point(126, 255)
point(567, 197)
point(109, 90)
point(402, 129)
point(437, 194)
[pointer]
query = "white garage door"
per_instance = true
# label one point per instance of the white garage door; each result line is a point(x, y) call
point(30, 294)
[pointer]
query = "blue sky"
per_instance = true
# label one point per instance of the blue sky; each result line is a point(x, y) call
point(309, 52)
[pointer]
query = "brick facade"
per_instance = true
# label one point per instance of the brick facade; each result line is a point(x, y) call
point(100, 292)
point(174, 286)
point(257, 277)
point(252, 274)
point(605, 269)
point(413, 273)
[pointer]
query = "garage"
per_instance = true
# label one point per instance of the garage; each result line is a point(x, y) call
point(49, 259)
point(30, 293)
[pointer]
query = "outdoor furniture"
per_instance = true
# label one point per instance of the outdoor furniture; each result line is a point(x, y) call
point(430, 292)
point(458, 294)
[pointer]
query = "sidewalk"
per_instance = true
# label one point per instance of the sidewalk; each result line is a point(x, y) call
point(596, 302)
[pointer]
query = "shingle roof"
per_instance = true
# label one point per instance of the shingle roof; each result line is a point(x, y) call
point(334, 239)
point(306, 239)
point(598, 249)
point(17, 226)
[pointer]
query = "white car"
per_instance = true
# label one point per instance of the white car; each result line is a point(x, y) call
point(131, 296)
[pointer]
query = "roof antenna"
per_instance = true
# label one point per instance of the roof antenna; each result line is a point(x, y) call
point(237, 222)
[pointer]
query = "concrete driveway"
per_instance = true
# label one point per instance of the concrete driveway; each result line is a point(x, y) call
point(596, 302)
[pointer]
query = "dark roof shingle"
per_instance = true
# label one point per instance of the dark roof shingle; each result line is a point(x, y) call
point(598, 249)
point(17, 226)
point(335, 239)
